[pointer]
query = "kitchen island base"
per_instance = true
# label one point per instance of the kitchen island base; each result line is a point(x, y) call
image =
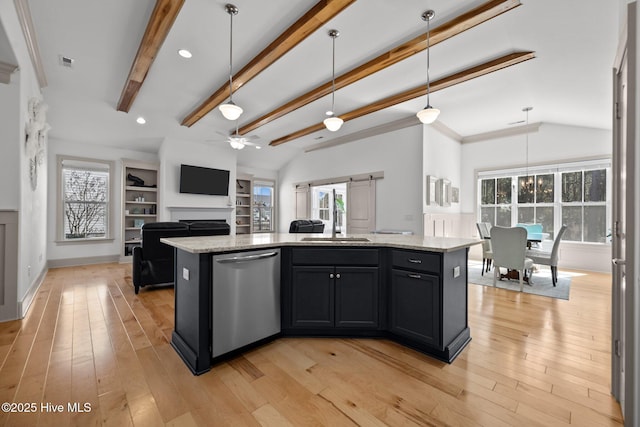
point(417, 298)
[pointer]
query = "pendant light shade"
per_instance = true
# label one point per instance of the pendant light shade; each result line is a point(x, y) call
point(332, 122)
point(230, 110)
point(428, 114)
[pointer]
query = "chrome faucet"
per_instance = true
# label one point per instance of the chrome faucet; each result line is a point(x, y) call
point(335, 216)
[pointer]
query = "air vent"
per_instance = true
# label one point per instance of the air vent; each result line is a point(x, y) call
point(318, 137)
point(65, 61)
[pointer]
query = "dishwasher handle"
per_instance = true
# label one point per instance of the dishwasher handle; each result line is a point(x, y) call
point(246, 258)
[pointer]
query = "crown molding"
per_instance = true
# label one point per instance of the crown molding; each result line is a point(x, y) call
point(366, 133)
point(28, 29)
point(5, 72)
point(502, 133)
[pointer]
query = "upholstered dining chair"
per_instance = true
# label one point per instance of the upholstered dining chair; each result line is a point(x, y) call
point(509, 246)
point(485, 234)
point(548, 258)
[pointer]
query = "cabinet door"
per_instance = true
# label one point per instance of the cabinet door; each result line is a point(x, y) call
point(415, 306)
point(312, 296)
point(356, 297)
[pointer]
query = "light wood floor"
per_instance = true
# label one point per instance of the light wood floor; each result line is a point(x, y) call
point(88, 338)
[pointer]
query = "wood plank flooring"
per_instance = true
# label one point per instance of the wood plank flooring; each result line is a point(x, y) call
point(88, 339)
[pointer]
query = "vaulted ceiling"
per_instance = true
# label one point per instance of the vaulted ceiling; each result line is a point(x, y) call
point(488, 60)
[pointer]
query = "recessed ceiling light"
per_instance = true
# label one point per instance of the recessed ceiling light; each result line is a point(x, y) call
point(185, 53)
point(258, 147)
point(140, 120)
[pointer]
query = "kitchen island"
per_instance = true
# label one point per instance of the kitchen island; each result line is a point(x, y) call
point(410, 289)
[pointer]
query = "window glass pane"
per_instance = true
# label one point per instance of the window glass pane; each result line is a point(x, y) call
point(572, 187)
point(525, 215)
point(503, 216)
point(525, 189)
point(595, 186)
point(572, 218)
point(488, 196)
point(544, 216)
point(544, 188)
point(263, 200)
point(85, 203)
point(488, 215)
point(504, 191)
point(595, 223)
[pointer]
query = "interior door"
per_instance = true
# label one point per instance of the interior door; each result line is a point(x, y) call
point(361, 206)
point(303, 202)
point(618, 249)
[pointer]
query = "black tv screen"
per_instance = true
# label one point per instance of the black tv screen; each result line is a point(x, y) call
point(200, 180)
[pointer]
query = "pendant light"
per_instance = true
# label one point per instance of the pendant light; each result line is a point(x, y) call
point(428, 114)
point(528, 182)
point(230, 111)
point(332, 122)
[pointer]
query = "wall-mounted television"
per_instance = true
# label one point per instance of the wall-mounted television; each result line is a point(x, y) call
point(201, 180)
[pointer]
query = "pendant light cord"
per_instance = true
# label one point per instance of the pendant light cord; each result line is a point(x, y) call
point(231, 60)
point(428, 50)
point(333, 75)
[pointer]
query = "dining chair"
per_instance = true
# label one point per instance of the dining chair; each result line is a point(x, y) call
point(485, 234)
point(549, 258)
point(509, 247)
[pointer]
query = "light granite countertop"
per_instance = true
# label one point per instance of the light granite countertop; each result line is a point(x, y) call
point(217, 244)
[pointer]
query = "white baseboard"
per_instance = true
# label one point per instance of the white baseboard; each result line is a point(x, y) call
point(72, 262)
point(23, 306)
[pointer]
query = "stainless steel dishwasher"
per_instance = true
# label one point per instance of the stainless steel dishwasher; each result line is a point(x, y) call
point(246, 299)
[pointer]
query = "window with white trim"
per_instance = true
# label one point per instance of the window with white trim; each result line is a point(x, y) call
point(574, 194)
point(84, 199)
point(263, 206)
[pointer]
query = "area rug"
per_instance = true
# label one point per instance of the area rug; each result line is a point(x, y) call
point(541, 284)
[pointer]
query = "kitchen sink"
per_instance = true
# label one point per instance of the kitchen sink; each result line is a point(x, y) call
point(335, 239)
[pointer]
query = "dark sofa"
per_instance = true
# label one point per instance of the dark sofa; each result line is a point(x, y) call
point(153, 262)
point(306, 226)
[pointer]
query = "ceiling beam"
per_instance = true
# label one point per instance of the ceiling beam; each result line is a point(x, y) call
point(162, 18)
point(314, 19)
point(449, 29)
point(445, 82)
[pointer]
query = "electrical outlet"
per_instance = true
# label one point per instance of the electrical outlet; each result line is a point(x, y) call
point(28, 271)
point(456, 271)
point(185, 273)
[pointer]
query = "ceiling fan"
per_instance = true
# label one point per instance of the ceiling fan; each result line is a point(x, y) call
point(237, 141)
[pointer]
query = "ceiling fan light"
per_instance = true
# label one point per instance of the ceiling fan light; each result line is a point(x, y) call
point(333, 123)
point(236, 144)
point(428, 115)
point(230, 111)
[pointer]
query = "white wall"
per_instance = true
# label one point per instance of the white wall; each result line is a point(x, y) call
point(440, 158)
point(552, 143)
point(9, 137)
point(398, 196)
point(65, 251)
point(30, 204)
point(172, 154)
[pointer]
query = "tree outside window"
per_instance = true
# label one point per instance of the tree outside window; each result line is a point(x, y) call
point(85, 198)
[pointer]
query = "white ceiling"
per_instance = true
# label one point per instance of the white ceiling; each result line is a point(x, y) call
point(568, 82)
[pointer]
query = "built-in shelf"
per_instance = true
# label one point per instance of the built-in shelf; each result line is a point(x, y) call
point(244, 187)
point(147, 201)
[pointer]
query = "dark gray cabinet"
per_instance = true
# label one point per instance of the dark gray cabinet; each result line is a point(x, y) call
point(415, 306)
point(330, 290)
point(428, 301)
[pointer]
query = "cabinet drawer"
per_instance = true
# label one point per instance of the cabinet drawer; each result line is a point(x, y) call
point(419, 261)
point(334, 256)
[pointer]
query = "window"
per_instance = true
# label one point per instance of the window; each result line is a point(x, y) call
point(496, 201)
point(573, 194)
point(85, 199)
point(263, 206)
point(584, 208)
point(322, 205)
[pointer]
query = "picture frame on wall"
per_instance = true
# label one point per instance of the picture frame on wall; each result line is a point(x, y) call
point(443, 187)
point(431, 190)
